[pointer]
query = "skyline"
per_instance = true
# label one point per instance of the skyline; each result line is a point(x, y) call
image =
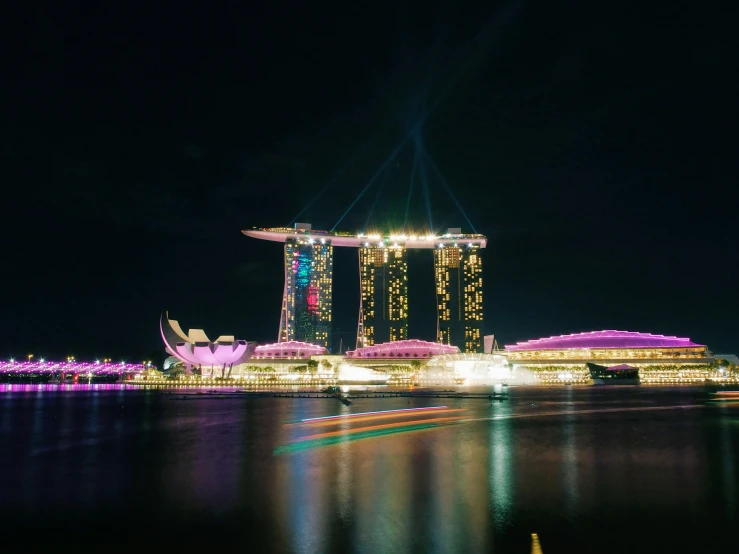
point(603, 176)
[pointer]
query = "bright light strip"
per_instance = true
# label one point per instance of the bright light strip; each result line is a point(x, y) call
point(371, 413)
point(331, 441)
point(374, 418)
point(377, 427)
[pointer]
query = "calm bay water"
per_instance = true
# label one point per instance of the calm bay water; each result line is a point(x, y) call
point(590, 469)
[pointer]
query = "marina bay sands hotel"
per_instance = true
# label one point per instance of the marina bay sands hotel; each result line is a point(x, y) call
point(383, 270)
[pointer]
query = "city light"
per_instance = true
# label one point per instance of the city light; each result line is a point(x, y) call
point(358, 414)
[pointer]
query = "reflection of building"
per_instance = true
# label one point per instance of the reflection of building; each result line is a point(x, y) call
point(458, 271)
point(384, 306)
point(658, 357)
point(306, 302)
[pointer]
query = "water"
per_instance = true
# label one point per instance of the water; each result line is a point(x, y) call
point(591, 469)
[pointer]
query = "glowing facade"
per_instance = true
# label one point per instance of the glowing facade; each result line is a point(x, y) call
point(609, 347)
point(306, 302)
point(383, 313)
point(383, 269)
point(194, 348)
point(659, 358)
point(458, 272)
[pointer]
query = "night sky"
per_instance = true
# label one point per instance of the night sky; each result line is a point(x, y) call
point(594, 143)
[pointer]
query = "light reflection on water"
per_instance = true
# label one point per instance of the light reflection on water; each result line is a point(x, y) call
point(501, 462)
point(574, 465)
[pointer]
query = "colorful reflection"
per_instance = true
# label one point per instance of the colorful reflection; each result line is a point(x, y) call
point(347, 433)
point(344, 416)
point(365, 434)
point(725, 397)
point(375, 427)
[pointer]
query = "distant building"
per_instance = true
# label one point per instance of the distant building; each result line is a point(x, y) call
point(489, 344)
point(458, 272)
point(384, 304)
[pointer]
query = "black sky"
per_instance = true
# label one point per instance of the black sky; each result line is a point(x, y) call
point(594, 143)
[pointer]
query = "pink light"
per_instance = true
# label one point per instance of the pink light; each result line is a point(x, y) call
point(404, 348)
point(346, 416)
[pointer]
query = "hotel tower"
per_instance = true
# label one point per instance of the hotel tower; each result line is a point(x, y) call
point(383, 311)
point(383, 276)
point(458, 272)
point(306, 299)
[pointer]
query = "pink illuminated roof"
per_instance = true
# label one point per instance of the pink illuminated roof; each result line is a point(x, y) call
point(195, 348)
point(604, 339)
point(412, 348)
point(289, 349)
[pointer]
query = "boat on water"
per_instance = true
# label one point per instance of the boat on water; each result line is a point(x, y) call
point(622, 374)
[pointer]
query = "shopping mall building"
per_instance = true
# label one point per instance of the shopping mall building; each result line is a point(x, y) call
point(659, 358)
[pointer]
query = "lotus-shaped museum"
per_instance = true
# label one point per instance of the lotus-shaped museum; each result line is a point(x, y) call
point(194, 348)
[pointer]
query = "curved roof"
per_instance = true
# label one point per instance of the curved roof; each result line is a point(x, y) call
point(311, 236)
point(195, 347)
point(604, 339)
point(289, 349)
point(411, 348)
